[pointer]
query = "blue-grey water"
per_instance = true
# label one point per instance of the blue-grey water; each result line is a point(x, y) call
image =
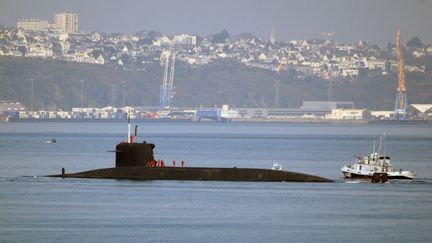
point(34, 208)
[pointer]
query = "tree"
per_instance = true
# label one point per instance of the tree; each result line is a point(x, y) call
point(145, 41)
point(152, 35)
point(414, 43)
point(375, 47)
point(125, 59)
point(96, 53)
point(57, 48)
point(22, 49)
point(141, 33)
point(226, 48)
point(244, 36)
point(221, 37)
point(390, 46)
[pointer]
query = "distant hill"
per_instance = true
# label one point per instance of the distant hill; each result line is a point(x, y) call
point(57, 86)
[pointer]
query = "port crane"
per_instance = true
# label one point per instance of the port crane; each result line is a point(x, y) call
point(167, 88)
point(400, 109)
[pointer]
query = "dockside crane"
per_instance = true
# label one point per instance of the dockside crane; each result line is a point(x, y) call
point(167, 88)
point(400, 109)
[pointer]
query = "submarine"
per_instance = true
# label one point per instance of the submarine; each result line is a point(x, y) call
point(135, 161)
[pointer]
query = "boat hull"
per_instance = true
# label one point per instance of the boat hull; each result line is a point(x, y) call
point(394, 175)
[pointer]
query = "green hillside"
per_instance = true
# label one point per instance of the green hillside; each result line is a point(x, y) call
point(57, 86)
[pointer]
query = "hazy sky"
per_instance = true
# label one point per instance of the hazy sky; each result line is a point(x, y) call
point(351, 20)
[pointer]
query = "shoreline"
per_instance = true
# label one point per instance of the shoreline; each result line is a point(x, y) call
point(238, 120)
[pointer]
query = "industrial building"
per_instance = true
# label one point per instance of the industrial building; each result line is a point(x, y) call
point(420, 111)
point(309, 109)
point(10, 108)
point(349, 114)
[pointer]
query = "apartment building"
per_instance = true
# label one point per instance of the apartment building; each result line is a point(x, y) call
point(66, 22)
point(32, 24)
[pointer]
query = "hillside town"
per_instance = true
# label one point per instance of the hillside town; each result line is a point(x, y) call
point(320, 57)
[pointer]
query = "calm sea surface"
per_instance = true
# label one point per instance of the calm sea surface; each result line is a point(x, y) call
point(39, 209)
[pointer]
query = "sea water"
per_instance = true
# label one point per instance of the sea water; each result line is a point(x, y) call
point(42, 209)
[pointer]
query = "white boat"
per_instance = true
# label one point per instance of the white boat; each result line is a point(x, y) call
point(377, 162)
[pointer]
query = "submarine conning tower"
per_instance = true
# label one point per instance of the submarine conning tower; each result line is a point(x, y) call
point(134, 154)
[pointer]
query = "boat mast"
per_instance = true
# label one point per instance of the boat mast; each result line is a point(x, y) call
point(129, 128)
point(379, 146)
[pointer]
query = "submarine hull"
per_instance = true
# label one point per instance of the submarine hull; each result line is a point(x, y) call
point(195, 173)
point(135, 161)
